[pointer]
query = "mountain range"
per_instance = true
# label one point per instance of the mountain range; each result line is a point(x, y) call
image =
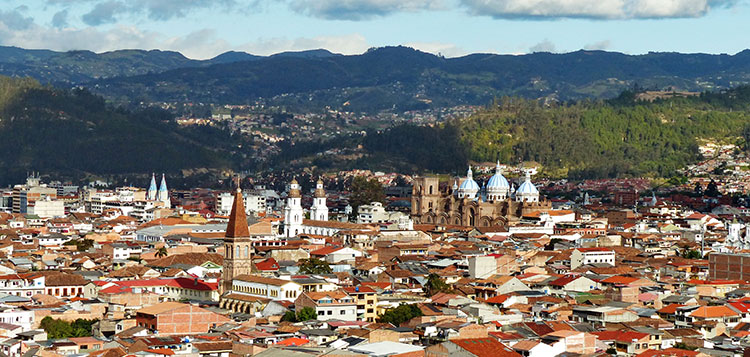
point(398, 78)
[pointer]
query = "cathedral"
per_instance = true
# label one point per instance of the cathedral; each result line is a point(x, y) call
point(466, 204)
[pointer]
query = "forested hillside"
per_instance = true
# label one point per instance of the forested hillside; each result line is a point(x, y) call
point(585, 139)
point(68, 132)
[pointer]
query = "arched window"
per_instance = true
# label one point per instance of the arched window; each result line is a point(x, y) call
point(247, 252)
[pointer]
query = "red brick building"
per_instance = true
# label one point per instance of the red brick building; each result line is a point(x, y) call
point(171, 318)
point(729, 266)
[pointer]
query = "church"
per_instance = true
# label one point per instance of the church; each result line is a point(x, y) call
point(497, 203)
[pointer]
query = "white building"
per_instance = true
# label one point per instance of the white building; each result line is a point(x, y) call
point(48, 208)
point(293, 213)
point(376, 213)
point(269, 288)
point(583, 256)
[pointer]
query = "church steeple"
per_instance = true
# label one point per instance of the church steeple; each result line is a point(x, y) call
point(163, 194)
point(293, 213)
point(237, 226)
point(319, 209)
point(151, 193)
point(237, 244)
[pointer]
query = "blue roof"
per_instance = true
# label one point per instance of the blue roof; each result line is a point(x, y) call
point(498, 181)
point(469, 184)
point(527, 187)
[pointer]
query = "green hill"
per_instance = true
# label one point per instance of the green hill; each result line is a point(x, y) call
point(615, 138)
point(74, 132)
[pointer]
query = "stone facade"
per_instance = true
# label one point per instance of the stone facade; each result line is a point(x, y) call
point(431, 204)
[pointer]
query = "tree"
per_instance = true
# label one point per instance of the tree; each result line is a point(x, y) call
point(400, 314)
point(365, 191)
point(289, 316)
point(57, 329)
point(161, 252)
point(314, 266)
point(307, 313)
point(712, 190)
point(82, 245)
point(435, 285)
point(683, 346)
point(698, 189)
point(691, 254)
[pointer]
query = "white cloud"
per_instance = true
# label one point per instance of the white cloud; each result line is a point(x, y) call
point(17, 30)
point(594, 9)
point(345, 44)
point(597, 46)
point(544, 46)
point(438, 48)
point(360, 9)
point(110, 11)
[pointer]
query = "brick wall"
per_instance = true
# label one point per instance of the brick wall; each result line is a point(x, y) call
point(188, 320)
point(729, 266)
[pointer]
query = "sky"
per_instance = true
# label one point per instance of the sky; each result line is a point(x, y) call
point(202, 29)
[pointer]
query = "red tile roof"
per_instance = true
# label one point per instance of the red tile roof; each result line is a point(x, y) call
point(325, 251)
point(269, 264)
point(293, 341)
point(619, 280)
point(485, 347)
point(670, 309)
point(669, 352)
point(565, 280)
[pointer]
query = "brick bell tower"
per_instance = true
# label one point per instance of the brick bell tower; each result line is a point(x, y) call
point(237, 248)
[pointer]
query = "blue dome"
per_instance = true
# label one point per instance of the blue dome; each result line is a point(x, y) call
point(469, 184)
point(497, 181)
point(527, 188)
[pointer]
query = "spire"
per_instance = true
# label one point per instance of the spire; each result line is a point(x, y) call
point(163, 186)
point(152, 186)
point(497, 168)
point(237, 226)
point(151, 193)
point(469, 174)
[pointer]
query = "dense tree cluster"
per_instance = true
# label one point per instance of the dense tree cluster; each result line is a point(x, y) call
point(400, 314)
point(57, 329)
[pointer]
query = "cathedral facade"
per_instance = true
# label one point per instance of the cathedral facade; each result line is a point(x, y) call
point(497, 203)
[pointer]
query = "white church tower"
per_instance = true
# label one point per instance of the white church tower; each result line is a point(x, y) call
point(163, 195)
point(733, 234)
point(319, 209)
point(293, 213)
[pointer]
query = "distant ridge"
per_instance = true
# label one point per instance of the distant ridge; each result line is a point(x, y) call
point(388, 78)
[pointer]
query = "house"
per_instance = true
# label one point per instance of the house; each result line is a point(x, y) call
point(174, 318)
point(329, 305)
point(367, 301)
point(498, 285)
point(583, 256)
point(571, 283)
point(629, 342)
point(480, 347)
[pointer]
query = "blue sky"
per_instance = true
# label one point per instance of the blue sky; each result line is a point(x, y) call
point(205, 28)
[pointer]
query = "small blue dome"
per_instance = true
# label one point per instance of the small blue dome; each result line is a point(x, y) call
point(527, 188)
point(469, 184)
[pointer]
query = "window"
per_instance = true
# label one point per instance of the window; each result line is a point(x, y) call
point(330, 312)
